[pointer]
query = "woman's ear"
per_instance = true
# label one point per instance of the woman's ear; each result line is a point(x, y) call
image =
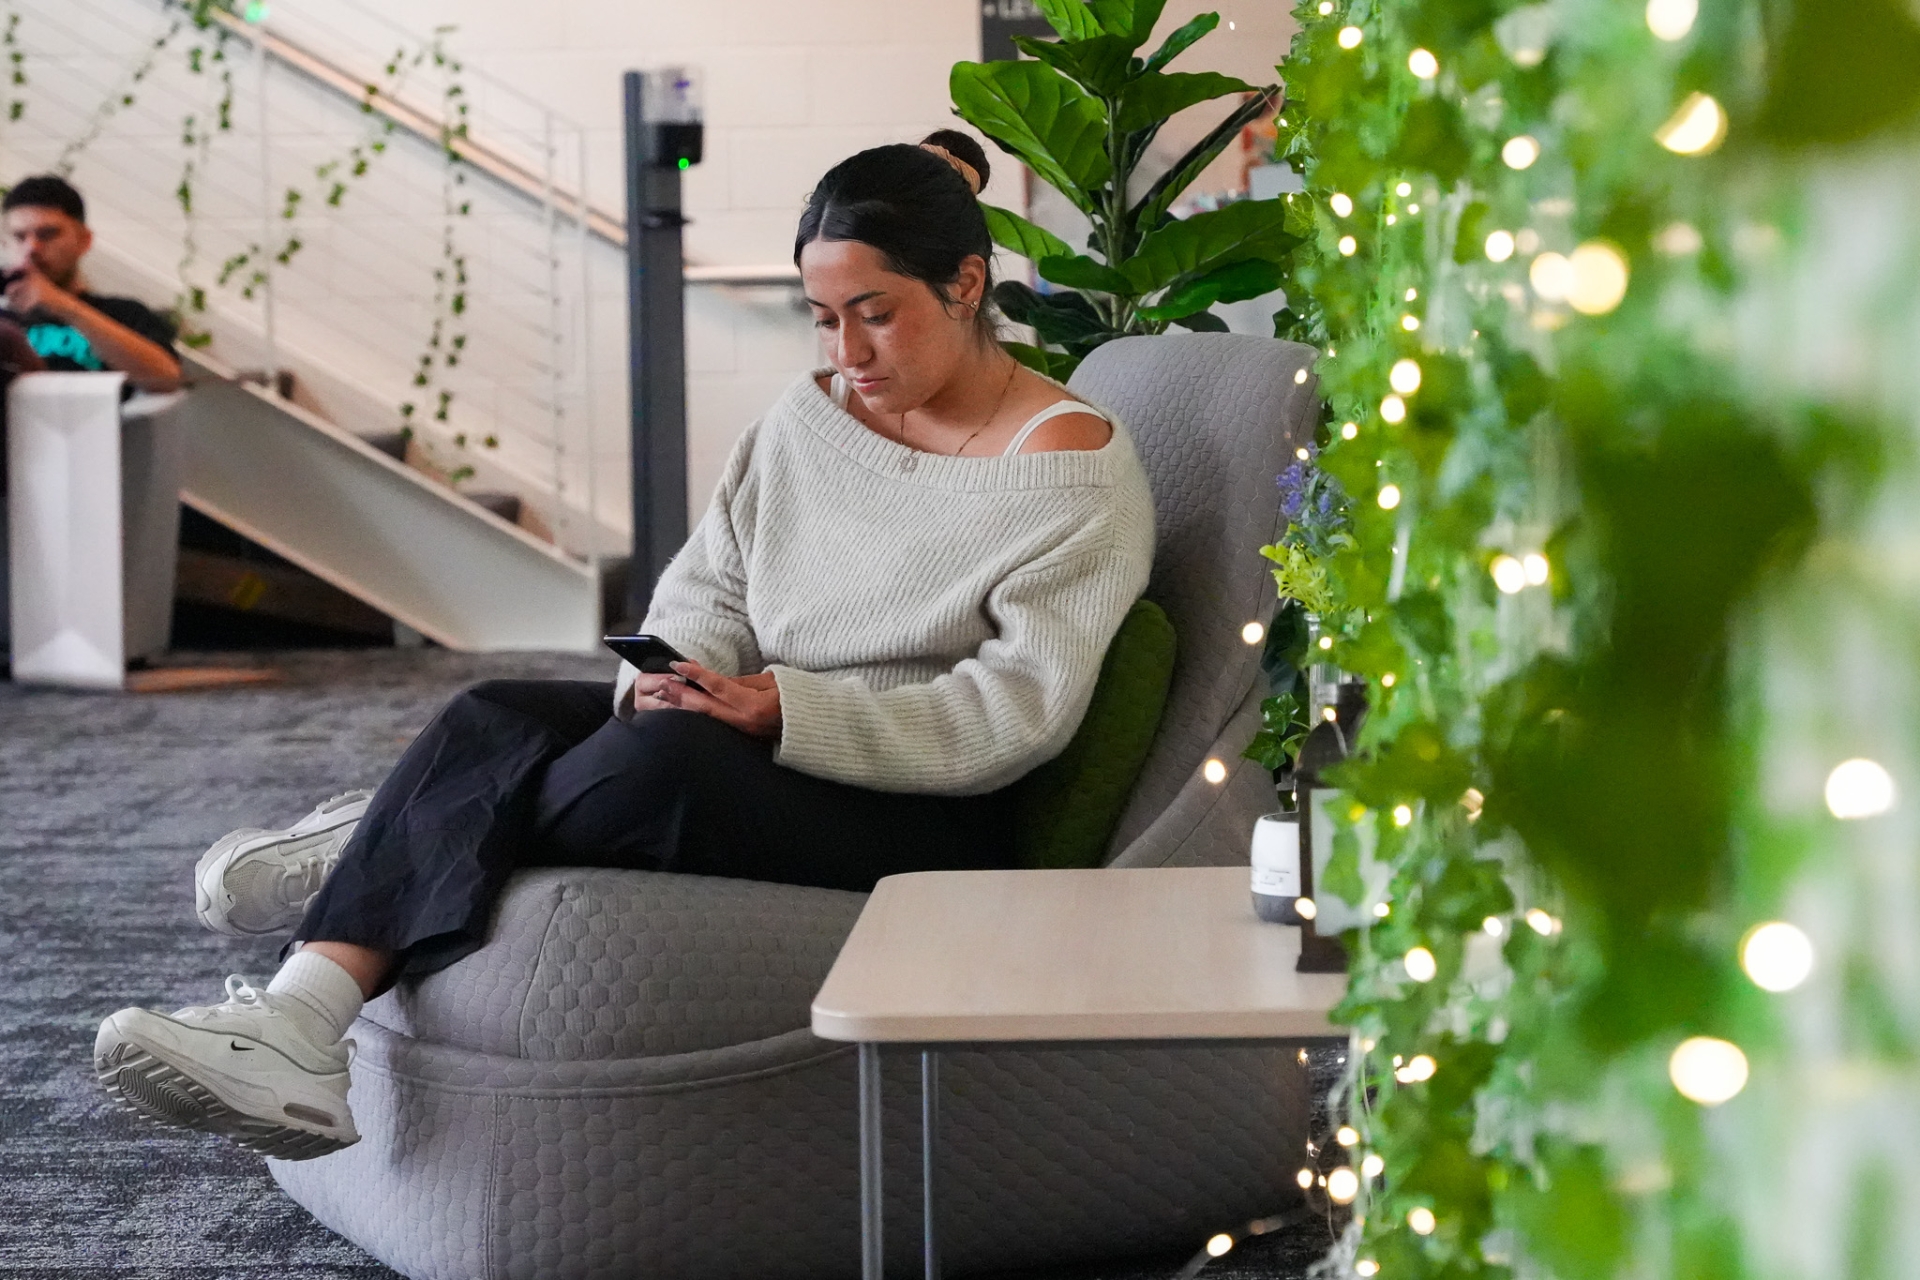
point(970, 284)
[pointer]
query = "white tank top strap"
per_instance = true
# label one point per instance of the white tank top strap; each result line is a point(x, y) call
point(1051, 411)
point(838, 389)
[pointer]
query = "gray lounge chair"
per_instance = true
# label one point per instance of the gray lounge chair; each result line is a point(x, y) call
point(622, 1083)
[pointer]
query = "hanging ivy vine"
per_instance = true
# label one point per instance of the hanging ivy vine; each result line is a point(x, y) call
point(1568, 504)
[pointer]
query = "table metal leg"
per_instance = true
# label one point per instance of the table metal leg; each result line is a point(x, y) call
point(872, 1254)
point(929, 1153)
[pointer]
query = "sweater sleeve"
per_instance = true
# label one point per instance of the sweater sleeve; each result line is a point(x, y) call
point(996, 715)
point(699, 605)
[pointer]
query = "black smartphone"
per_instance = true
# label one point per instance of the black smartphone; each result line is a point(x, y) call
point(650, 654)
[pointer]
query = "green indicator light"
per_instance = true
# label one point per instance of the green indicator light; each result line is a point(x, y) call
point(685, 163)
point(257, 11)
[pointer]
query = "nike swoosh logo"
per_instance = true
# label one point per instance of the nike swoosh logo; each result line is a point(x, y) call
point(243, 1048)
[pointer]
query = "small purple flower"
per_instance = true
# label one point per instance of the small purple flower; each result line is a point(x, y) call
point(1293, 490)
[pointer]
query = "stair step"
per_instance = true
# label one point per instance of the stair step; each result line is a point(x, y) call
point(504, 505)
point(391, 443)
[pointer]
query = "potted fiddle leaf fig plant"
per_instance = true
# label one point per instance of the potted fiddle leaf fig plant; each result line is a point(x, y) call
point(1081, 114)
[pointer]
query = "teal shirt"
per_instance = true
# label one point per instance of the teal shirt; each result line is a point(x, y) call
point(65, 348)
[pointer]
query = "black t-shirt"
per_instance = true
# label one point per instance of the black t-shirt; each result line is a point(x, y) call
point(67, 350)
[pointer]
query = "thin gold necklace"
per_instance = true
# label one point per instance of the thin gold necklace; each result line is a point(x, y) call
point(991, 414)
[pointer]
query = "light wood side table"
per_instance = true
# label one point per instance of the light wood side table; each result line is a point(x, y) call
point(946, 959)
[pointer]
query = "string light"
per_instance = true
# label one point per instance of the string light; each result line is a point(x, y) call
point(1521, 151)
point(1472, 801)
point(1537, 568)
point(1389, 497)
point(1218, 1245)
point(1494, 926)
point(1394, 409)
point(1387, 680)
point(1304, 1178)
point(1348, 430)
point(1419, 1070)
point(1346, 1135)
point(1381, 910)
point(1679, 240)
point(1366, 1267)
point(1348, 246)
point(1859, 788)
point(1253, 633)
point(1708, 1071)
point(1421, 1219)
point(1500, 246)
point(1373, 1166)
point(1777, 956)
point(1404, 377)
point(1329, 714)
point(1402, 815)
point(1410, 323)
point(1350, 37)
point(1420, 964)
point(1542, 923)
point(1326, 642)
point(1413, 208)
point(1343, 1184)
point(1392, 218)
point(1672, 19)
point(1305, 908)
point(1508, 574)
point(1551, 275)
point(1403, 190)
point(1302, 454)
point(1326, 7)
point(1412, 294)
point(1214, 771)
point(1696, 128)
point(1299, 377)
point(1423, 64)
point(1599, 278)
point(1341, 203)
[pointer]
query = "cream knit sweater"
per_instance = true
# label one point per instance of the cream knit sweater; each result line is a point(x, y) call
point(934, 624)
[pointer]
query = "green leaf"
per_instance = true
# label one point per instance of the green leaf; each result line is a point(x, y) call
point(1231, 283)
point(1077, 271)
point(1154, 98)
point(1181, 40)
point(1433, 136)
point(1202, 322)
point(1152, 208)
point(1071, 18)
point(1185, 250)
point(1101, 65)
point(1575, 1225)
point(1037, 114)
point(1841, 75)
point(1065, 319)
point(1011, 231)
point(1049, 364)
point(1132, 20)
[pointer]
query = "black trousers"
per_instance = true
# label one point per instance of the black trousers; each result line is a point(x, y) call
point(519, 773)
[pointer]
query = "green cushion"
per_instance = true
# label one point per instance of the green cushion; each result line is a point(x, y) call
point(1070, 805)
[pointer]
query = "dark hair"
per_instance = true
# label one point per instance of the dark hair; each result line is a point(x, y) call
point(46, 191)
point(911, 205)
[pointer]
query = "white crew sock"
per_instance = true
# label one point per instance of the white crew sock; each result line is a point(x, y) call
point(322, 991)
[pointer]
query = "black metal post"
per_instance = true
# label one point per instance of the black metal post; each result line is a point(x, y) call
point(656, 354)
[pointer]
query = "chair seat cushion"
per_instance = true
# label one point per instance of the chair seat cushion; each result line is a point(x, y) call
point(1070, 805)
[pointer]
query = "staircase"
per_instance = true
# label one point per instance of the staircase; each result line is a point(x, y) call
point(493, 530)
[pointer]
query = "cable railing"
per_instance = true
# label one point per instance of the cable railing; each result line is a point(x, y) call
point(324, 193)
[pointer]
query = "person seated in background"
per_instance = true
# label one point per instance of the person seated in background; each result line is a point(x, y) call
point(70, 328)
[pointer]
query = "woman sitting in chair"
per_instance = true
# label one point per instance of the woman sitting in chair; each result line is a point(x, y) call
point(895, 607)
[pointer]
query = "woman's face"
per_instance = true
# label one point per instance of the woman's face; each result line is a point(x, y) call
point(889, 335)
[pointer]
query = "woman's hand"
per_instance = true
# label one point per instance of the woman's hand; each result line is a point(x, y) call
point(750, 704)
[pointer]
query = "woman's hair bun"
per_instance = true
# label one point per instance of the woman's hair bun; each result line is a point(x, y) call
point(961, 146)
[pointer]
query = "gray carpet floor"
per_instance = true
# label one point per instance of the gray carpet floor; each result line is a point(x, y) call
point(106, 801)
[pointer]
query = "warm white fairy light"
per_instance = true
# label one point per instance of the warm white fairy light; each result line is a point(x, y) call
point(1381, 910)
point(1420, 964)
point(1253, 632)
point(1423, 64)
point(1304, 1178)
point(1860, 788)
point(1412, 294)
point(1350, 37)
point(1508, 574)
point(1394, 409)
point(1599, 278)
point(1389, 497)
point(1679, 240)
point(1551, 275)
point(1413, 208)
point(1343, 1184)
point(1537, 568)
point(1392, 218)
point(1219, 1245)
point(1387, 680)
point(1500, 246)
point(1410, 323)
point(1542, 923)
point(1326, 7)
point(1494, 926)
point(1707, 1070)
point(1404, 377)
point(1366, 1267)
point(1301, 453)
point(1696, 128)
point(1341, 203)
point(1326, 642)
point(1346, 1135)
point(1299, 377)
point(1419, 1070)
point(1777, 956)
point(1306, 908)
point(1329, 714)
point(1402, 815)
point(1403, 190)
point(1472, 801)
point(1373, 1166)
point(1348, 246)
point(1348, 430)
point(1214, 771)
point(1521, 151)
point(1672, 19)
point(1421, 1219)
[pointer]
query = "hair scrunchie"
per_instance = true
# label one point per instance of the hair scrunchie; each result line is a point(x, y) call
point(966, 171)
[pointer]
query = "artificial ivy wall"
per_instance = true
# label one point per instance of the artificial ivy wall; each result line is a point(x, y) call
point(1617, 306)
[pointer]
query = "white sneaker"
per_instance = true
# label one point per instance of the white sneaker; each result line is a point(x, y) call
point(242, 1069)
point(255, 881)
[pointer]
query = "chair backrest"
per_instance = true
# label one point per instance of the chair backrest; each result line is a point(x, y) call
point(1215, 417)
